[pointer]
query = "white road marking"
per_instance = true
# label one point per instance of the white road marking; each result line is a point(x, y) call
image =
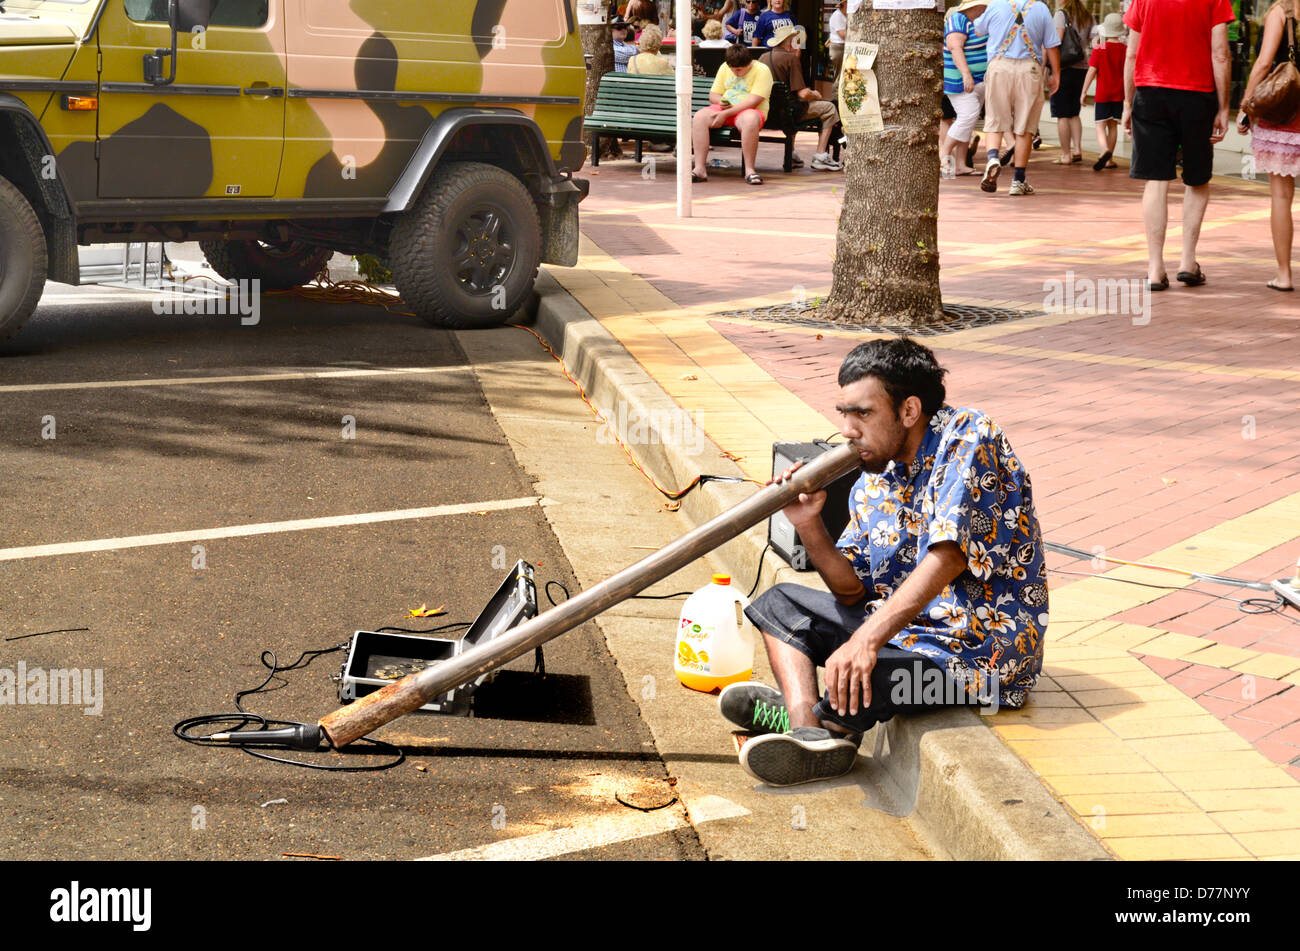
point(607, 830)
point(261, 528)
point(247, 378)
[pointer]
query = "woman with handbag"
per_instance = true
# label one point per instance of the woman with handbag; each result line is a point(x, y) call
point(1075, 25)
point(1276, 143)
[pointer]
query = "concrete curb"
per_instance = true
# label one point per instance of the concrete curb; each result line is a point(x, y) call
point(974, 797)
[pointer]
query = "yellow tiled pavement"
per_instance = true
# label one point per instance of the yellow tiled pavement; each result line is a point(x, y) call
point(1148, 770)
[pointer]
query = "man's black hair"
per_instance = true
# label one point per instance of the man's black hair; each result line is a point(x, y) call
point(903, 367)
point(738, 56)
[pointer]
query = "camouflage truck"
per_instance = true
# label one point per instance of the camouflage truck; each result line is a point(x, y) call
point(439, 135)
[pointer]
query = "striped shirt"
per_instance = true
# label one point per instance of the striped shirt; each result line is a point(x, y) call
point(976, 51)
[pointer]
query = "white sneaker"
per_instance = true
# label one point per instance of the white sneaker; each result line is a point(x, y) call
point(1021, 188)
point(822, 161)
point(989, 182)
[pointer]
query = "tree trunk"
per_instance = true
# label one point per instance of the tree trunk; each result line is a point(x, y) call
point(598, 44)
point(886, 248)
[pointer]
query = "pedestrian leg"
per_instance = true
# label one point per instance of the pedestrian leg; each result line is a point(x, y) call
point(1195, 201)
point(1282, 192)
point(748, 122)
point(1155, 217)
point(700, 141)
point(796, 678)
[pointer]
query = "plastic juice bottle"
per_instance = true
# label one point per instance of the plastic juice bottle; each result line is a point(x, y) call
point(715, 641)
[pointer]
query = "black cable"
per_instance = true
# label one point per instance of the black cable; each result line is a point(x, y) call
point(759, 574)
point(245, 717)
point(60, 630)
point(547, 590)
point(428, 630)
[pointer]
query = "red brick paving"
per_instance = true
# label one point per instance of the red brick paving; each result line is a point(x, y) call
point(1129, 458)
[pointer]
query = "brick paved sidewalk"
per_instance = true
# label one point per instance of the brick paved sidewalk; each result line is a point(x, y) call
point(1169, 721)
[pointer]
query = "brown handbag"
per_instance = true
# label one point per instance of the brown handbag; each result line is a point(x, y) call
point(1276, 99)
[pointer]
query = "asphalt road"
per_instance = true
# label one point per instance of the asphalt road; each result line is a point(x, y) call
point(176, 627)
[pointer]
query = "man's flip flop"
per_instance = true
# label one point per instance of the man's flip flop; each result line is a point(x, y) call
point(1277, 287)
point(697, 178)
point(1192, 278)
point(1098, 165)
point(753, 179)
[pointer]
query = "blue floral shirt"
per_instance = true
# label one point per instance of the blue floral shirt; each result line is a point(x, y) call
point(965, 486)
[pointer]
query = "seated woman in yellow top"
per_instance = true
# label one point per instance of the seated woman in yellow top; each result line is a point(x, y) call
point(648, 62)
point(739, 98)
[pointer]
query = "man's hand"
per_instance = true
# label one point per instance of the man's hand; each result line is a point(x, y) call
point(1220, 126)
point(848, 674)
point(967, 82)
point(717, 119)
point(1054, 84)
point(809, 507)
point(1127, 119)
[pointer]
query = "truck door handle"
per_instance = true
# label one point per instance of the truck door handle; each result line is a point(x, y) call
point(261, 90)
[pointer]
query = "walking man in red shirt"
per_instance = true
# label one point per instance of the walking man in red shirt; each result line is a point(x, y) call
point(1176, 95)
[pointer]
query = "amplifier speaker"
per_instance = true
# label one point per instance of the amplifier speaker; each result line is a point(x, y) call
point(835, 513)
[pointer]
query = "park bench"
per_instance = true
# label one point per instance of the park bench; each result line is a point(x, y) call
point(644, 109)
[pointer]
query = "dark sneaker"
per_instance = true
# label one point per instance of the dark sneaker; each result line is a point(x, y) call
point(755, 707)
point(804, 755)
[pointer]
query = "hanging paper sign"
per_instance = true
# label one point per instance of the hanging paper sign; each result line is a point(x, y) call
point(902, 4)
point(859, 96)
point(591, 12)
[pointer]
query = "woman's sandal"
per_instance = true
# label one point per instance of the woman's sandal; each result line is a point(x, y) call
point(753, 179)
point(1160, 285)
point(1278, 287)
point(1192, 278)
point(1078, 158)
point(697, 178)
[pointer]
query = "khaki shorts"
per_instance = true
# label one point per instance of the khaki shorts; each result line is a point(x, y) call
point(824, 111)
point(1013, 95)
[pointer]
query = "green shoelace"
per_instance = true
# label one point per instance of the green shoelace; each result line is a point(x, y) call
point(773, 717)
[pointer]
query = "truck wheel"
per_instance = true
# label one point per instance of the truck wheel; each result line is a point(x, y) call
point(278, 266)
point(23, 259)
point(466, 254)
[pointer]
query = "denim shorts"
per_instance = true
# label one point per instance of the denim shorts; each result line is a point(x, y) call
point(816, 624)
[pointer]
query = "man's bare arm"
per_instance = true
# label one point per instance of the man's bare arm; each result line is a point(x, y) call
point(1130, 80)
point(831, 563)
point(1222, 78)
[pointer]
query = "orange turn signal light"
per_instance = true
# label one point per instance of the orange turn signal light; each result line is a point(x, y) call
point(81, 103)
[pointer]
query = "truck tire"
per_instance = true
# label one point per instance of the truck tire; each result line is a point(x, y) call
point(278, 267)
point(23, 260)
point(466, 254)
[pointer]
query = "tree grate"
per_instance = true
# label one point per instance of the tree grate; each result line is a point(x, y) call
point(960, 317)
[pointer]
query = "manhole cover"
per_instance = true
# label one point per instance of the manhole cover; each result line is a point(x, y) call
point(960, 317)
